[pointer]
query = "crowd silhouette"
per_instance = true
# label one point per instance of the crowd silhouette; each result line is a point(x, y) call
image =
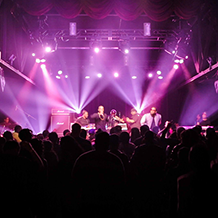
point(100, 174)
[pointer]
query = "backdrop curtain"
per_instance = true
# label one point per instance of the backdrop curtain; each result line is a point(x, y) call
point(158, 10)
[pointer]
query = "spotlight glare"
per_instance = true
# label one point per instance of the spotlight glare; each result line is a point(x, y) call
point(43, 66)
point(150, 75)
point(60, 72)
point(96, 50)
point(66, 76)
point(43, 60)
point(175, 66)
point(160, 77)
point(186, 57)
point(99, 75)
point(87, 77)
point(177, 61)
point(38, 60)
point(33, 54)
point(116, 74)
point(48, 49)
point(181, 61)
point(159, 72)
point(126, 51)
point(173, 52)
point(58, 77)
point(134, 77)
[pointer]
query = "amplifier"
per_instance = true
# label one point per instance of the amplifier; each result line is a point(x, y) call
point(60, 123)
point(60, 112)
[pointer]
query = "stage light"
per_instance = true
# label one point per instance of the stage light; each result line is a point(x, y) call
point(42, 60)
point(96, 50)
point(160, 77)
point(159, 72)
point(66, 76)
point(60, 72)
point(87, 77)
point(134, 77)
point(186, 57)
point(150, 75)
point(58, 77)
point(177, 61)
point(173, 52)
point(126, 51)
point(176, 66)
point(33, 54)
point(48, 49)
point(38, 60)
point(99, 75)
point(181, 61)
point(43, 66)
point(116, 74)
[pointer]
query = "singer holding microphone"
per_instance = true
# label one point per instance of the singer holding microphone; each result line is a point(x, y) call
point(100, 118)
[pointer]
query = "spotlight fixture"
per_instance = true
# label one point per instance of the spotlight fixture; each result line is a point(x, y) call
point(38, 60)
point(60, 72)
point(150, 75)
point(134, 77)
point(176, 66)
point(124, 46)
point(96, 49)
point(99, 75)
point(116, 74)
point(43, 66)
point(87, 77)
point(160, 77)
point(159, 72)
point(96, 46)
point(48, 49)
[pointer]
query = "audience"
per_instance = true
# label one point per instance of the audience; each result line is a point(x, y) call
point(169, 174)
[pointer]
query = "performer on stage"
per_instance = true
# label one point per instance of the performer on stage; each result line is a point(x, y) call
point(114, 120)
point(83, 120)
point(152, 119)
point(100, 118)
point(205, 121)
point(134, 121)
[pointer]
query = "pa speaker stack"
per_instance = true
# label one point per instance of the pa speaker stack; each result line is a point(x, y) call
point(60, 120)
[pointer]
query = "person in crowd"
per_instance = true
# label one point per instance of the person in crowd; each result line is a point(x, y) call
point(84, 143)
point(126, 146)
point(83, 120)
point(197, 190)
point(99, 179)
point(66, 132)
point(8, 135)
point(152, 119)
point(100, 118)
point(143, 130)
point(15, 134)
point(134, 134)
point(45, 134)
point(147, 167)
point(53, 137)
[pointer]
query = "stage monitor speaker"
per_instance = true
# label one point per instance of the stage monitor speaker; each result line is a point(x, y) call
point(59, 123)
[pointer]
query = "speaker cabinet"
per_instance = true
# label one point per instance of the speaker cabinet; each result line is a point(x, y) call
point(59, 123)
